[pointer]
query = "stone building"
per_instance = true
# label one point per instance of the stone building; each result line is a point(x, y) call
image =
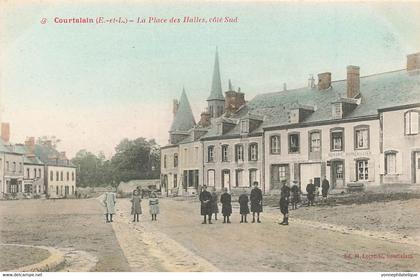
point(11, 166)
point(361, 131)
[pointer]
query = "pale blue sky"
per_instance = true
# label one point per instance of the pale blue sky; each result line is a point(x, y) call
point(92, 85)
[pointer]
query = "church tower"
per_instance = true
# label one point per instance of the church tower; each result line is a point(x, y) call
point(216, 101)
point(183, 119)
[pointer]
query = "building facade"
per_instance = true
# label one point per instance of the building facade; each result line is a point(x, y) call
point(361, 131)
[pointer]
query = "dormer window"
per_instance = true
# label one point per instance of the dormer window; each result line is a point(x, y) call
point(337, 111)
point(244, 126)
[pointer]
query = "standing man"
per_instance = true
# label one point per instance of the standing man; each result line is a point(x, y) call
point(256, 202)
point(325, 188)
point(295, 191)
point(109, 202)
point(310, 189)
point(205, 199)
point(284, 203)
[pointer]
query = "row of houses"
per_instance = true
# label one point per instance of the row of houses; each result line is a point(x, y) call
point(34, 169)
point(362, 131)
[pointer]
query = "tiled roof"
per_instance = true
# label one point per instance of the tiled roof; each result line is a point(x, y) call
point(22, 149)
point(7, 147)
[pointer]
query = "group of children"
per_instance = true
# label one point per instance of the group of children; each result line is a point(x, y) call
point(136, 210)
point(209, 205)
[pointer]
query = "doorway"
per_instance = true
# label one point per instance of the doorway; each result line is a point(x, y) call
point(416, 167)
point(226, 179)
point(337, 174)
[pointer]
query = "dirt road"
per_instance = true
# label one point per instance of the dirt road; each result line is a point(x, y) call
point(74, 225)
point(178, 241)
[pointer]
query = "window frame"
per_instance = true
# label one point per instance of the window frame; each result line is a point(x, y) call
point(210, 148)
point(239, 158)
point(176, 159)
point(272, 152)
point(253, 145)
point(214, 177)
point(386, 168)
point(225, 156)
point(289, 135)
point(360, 128)
point(310, 133)
point(408, 113)
point(337, 130)
point(366, 168)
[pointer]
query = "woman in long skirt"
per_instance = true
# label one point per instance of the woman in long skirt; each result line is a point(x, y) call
point(153, 205)
point(136, 205)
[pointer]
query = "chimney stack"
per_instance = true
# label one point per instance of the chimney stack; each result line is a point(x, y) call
point(234, 100)
point(5, 132)
point(205, 119)
point(30, 145)
point(175, 106)
point(413, 62)
point(324, 80)
point(311, 81)
point(353, 81)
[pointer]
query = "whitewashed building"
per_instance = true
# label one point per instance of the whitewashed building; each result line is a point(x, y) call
point(361, 131)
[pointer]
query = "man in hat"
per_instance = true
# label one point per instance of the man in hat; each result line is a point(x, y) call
point(256, 202)
point(205, 199)
point(310, 189)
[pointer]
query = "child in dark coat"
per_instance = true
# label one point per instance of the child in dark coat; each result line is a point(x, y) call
point(226, 201)
point(243, 206)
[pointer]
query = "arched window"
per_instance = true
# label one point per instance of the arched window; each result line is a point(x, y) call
point(411, 122)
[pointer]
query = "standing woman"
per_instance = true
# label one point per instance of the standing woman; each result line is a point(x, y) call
point(243, 206)
point(226, 201)
point(109, 202)
point(214, 204)
point(153, 205)
point(205, 198)
point(136, 205)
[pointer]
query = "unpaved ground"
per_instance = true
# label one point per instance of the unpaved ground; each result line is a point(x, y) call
point(301, 246)
point(13, 256)
point(75, 224)
point(401, 218)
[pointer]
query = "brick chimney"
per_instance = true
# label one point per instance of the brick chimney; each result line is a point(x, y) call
point(5, 132)
point(175, 106)
point(233, 101)
point(353, 81)
point(63, 156)
point(324, 80)
point(413, 62)
point(30, 145)
point(205, 119)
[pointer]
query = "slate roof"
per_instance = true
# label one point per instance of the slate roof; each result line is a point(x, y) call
point(7, 147)
point(22, 149)
point(378, 91)
point(184, 118)
point(46, 153)
point(216, 84)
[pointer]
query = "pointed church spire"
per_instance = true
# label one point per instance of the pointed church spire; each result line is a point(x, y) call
point(184, 118)
point(216, 85)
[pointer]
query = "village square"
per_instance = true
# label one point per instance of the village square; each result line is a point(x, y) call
point(332, 176)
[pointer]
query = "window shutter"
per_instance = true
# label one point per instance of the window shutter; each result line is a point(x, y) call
point(352, 173)
point(382, 164)
point(399, 162)
point(371, 170)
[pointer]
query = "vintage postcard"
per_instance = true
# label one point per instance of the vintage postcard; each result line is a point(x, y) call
point(209, 136)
